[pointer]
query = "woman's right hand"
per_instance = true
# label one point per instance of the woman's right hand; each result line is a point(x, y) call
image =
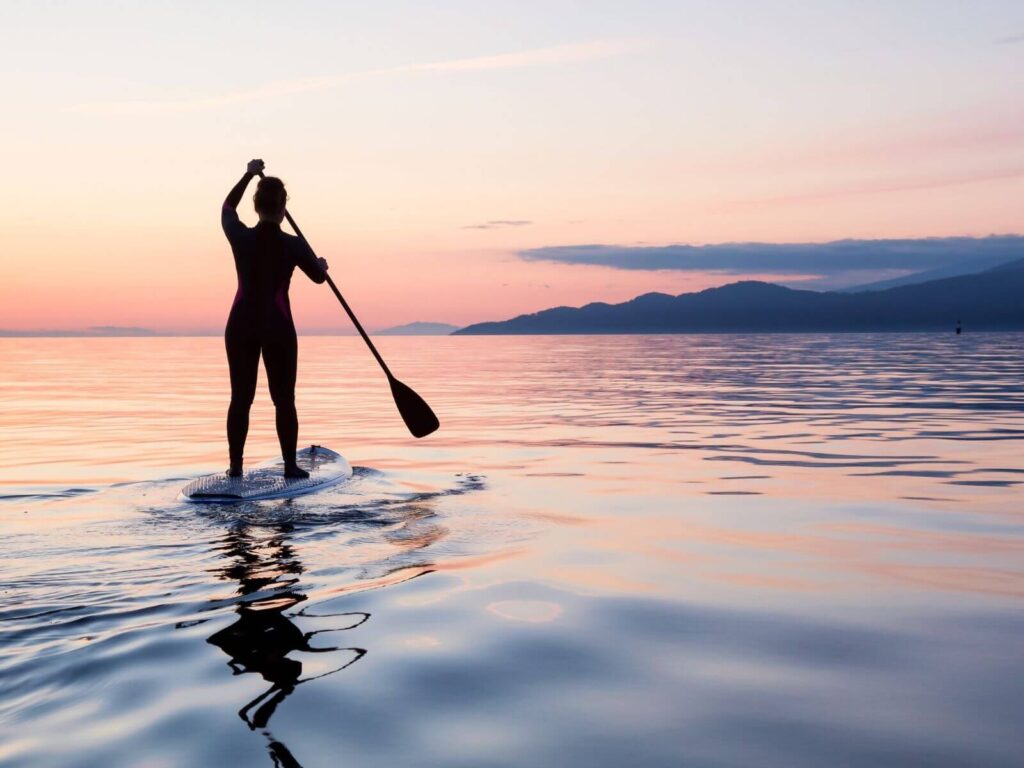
point(255, 167)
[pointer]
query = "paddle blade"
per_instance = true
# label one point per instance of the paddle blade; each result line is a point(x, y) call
point(416, 414)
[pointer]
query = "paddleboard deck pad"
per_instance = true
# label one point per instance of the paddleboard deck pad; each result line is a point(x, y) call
point(267, 481)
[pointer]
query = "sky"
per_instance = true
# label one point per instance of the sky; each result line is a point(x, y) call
point(452, 160)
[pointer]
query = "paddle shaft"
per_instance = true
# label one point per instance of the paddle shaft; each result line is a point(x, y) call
point(341, 299)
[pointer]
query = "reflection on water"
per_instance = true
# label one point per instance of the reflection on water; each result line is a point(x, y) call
point(651, 551)
point(264, 638)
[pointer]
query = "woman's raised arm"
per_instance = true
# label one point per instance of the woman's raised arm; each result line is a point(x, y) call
point(229, 211)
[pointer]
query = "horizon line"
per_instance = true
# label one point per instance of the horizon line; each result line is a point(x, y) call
point(149, 333)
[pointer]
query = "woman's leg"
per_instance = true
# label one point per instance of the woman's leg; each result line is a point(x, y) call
point(243, 348)
point(280, 358)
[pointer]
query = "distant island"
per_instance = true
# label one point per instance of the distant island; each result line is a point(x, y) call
point(988, 300)
point(419, 329)
point(96, 330)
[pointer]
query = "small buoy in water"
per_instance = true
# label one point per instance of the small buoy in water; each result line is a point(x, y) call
point(959, 328)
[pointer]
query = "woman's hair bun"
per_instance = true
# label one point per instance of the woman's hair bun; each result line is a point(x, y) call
point(270, 195)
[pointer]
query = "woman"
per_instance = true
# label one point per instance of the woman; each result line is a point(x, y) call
point(261, 317)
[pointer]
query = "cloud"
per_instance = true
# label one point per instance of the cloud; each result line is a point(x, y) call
point(537, 57)
point(499, 224)
point(853, 257)
point(1011, 39)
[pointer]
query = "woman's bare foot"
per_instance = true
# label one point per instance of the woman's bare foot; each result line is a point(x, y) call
point(295, 472)
point(235, 470)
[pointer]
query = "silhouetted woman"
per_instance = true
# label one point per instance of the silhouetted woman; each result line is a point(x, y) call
point(261, 316)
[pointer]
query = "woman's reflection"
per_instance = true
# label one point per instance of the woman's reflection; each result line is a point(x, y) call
point(263, 637)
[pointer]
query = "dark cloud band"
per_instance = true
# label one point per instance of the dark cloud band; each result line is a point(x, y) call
point(498, 223)
point(793, 258)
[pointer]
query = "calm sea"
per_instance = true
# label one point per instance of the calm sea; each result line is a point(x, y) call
point(618, 551)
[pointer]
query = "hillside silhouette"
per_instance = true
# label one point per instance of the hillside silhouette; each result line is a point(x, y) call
point(989, 300)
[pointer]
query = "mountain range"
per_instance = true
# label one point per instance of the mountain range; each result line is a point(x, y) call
point(988, 300)
point(418, 328)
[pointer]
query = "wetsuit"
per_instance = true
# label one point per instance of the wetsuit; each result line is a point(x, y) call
point(261, 321)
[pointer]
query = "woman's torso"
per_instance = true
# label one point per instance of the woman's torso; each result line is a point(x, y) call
point(264, 263)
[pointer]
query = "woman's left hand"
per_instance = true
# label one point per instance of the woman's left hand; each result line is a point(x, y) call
point(323, 264)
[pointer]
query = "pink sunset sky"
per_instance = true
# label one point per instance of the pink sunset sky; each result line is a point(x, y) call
point(426, 149)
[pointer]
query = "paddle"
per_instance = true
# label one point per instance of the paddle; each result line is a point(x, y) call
point(415, 412)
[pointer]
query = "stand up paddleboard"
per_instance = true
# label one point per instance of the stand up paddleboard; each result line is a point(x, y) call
point(267, 481)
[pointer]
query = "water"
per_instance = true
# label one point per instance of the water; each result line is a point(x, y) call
point(643, 551)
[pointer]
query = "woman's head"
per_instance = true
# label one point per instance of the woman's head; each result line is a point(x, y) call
point(270, 199)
